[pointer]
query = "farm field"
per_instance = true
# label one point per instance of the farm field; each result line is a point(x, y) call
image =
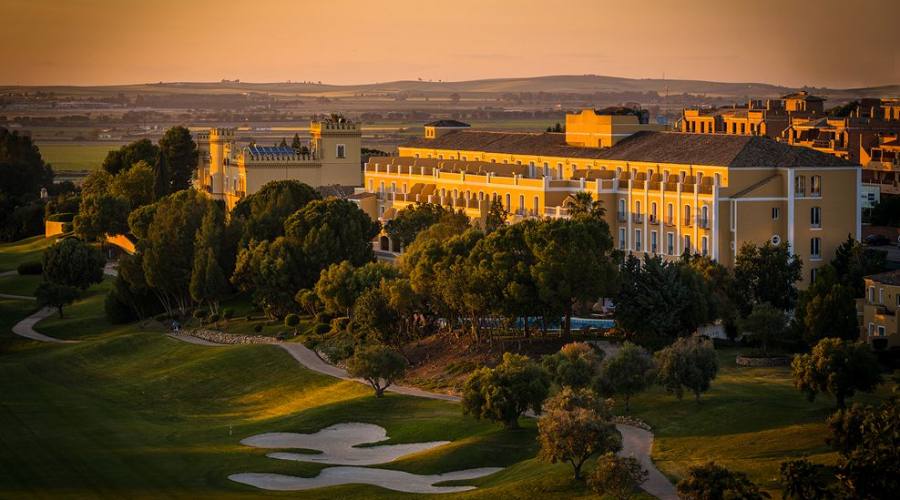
point(75, 156)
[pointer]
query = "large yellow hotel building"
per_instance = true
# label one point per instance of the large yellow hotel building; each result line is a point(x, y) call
point(664, 192)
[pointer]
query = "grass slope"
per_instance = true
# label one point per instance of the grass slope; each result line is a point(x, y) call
point(29, 249)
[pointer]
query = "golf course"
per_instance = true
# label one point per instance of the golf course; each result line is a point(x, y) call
point(128, 411)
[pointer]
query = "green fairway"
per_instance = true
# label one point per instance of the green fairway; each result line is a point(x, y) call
point(75, 156)
point(29, 249)
point(83, 319)
point(19, 285)
point(751, 420)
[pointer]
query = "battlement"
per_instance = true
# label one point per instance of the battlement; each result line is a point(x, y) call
point(262, 154)
point(328, 126)
point(221, 134)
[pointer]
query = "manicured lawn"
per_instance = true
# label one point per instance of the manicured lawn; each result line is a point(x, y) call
point(19, 285)
point(751, 420)
point(84, 319)
point(29, 249)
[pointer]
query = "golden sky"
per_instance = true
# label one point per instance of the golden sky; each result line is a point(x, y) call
point(820, 42)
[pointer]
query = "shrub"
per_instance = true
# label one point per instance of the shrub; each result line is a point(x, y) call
point(213, 318)
point(618, 477)
point(291, 320)
point(33, 268)
point(199, 314)
point(321, 329)
point(227, 313)
point(117, 311)
point(258, 328)
point(340, 324)
point(712, 481)
point(323, 317)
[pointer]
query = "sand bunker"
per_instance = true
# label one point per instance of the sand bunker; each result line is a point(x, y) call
point(338, 444)
point(390, 479)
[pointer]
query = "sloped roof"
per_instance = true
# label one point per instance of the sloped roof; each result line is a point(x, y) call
point(888, 278)
point(447, 123)
point(717, 149)
point(652, 147)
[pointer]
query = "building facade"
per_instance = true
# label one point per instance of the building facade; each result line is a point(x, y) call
point(880, 307)
point(665, 193)
point(229, 172)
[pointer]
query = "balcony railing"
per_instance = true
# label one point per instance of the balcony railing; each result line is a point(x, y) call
point(637, 218)
point(622, 217)
point(702, 223)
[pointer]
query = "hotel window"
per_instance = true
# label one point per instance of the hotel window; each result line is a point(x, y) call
point(637, 208)
point(621, 238)
point(871, 294)
point(393, 187)
point(637, 240)
point(814, 248)
point(881, 331)
point(815, 185)
point(670, 214)
point(654, 246)
point(687, 244)
point(670, 243)
point(743, 128)
point(687, 215)
point(546, 169)
point(521, 203)
point(341, 151)
point(815, 216)
point(559, 170)
point(622, 209)
point(537, 203)
point(508, 202)
point(653, 212)
point(881, 295)
point(704, 245)
point(800, 185)
point(704, 216)
point(776, 213)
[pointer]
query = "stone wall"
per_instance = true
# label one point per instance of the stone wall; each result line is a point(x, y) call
point(230, 338)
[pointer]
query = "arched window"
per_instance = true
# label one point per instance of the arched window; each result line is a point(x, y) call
point(508, 202)
point(670, 214)
point(704, 216)
point(687, 215)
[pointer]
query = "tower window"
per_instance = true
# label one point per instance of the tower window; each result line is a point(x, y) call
point(341, 151)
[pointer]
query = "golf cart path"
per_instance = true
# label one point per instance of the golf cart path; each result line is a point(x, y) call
point(25, 328)
point(636, 442)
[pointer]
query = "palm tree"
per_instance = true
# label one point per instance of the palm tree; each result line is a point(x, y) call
point(583, 204)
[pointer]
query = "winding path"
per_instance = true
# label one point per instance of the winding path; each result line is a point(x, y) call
point(636, 442)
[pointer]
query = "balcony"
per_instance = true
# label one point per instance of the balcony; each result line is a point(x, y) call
point(637, 218)
point(702, 223)
point(556, 212)
point(653, 220)
point(622, 216)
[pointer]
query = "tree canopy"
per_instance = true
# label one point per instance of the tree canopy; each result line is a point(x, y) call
point(689, 363)
point(181, 157)
point(503, 393)
point(122, 159)
point(72, 262)
point(836, 367)
point(262, 215)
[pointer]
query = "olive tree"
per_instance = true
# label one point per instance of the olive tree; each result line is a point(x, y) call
point(627, 372)
point(377, 365)
point(575, 365)
point(689, 363)
point(503, 393)
point(838, 368)
point(618, 477)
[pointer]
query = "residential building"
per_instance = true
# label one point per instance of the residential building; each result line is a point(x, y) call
point(664, 192)
point(880, 307)
point(229, 172)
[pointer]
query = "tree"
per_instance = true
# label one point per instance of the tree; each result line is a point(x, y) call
point(283, 143)
point(690, 363)
point(291, 321)
point(169, 247)
point(575, 365)
point(373, 314)
point(377, 365)
point(101, 215)
point(161, 177)
point(766, 273)
point(96, 183)
point(714, 482)
point(627, 372)
point(50, 294)
point(867, 439)
point(584, 205)
point(503, 393)
point(336, 288)
point(659, 300)
point(497, 216)
point(296, 143)
point(887, 211)
point(827, 309)
point(262, 215)
point(134, 185)
point(122, 159)
point(413, 219)
point(330, 231)
point(308, 300)
point(575, 425)
point(618, 477)
point(836, 367)
point(139, 220)
point(273, 272)
point(181, 157)
point(765, 323)
point(852, 261)
point(71, 262)
point(208, 283)
point(572, 263)
point(804, 480)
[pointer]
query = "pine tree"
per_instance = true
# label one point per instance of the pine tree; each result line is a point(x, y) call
point(161, 177)
point(283, 143)
point(295, 143)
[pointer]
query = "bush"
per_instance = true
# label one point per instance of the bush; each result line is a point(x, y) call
point(213, 318)
point(258, 327)
point(323, 317)
point(291, 320)
point(199, 314)
point(117, 311)
point(32, 267)
point(227, 313)
point(337, 347)
point(321, 329)
point(710, 480)
point(617, 477)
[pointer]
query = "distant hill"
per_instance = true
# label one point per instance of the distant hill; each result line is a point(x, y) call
point(557, 84)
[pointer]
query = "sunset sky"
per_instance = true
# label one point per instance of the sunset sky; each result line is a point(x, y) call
point(820, 43)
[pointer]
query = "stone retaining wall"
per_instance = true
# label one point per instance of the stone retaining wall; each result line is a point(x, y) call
point(773, 361)
point(230, 338)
